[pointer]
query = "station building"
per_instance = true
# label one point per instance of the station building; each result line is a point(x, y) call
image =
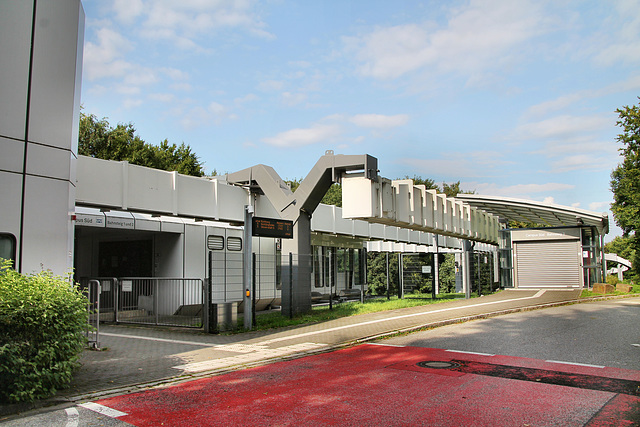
point(63, 212)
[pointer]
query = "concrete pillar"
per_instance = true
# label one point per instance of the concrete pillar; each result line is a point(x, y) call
point(298, 299)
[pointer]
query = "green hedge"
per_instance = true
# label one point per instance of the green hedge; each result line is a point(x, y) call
point(42, 324)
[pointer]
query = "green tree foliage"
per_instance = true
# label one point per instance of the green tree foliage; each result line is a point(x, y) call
point(333, 196)
point(42, 324)
point(97, 138)
point(377, 273)
point(625, 179)
point(624, 247)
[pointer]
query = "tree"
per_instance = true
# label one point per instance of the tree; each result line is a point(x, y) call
point(625, 179)
point(96, 138)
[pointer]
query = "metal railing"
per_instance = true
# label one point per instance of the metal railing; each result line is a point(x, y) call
point(92, 291)
point(160, 301)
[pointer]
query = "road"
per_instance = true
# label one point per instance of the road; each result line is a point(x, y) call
point(576, 365)
point(603, 333)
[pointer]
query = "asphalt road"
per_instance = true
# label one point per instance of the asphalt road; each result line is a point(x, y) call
point(342, 387)
point(605, 333)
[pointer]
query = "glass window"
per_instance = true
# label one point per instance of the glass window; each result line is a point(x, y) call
point(7, 246)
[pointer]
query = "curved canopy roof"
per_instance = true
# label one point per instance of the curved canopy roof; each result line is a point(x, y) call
point(511, 209)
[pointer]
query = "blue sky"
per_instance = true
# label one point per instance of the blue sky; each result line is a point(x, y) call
point(512, 98)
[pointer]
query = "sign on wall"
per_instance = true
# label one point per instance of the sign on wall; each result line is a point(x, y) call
point(271, 227)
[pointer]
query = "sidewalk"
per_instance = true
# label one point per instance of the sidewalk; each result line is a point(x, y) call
point(135, 358)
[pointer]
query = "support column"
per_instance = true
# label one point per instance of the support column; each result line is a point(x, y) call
point(466, 268)
point(298, 299)
point(247, 273)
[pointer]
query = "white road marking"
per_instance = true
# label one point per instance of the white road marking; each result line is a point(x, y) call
point(388, 319)
point(104, 410)
point(250, 353)
point(471, 352)
point(575, 364)
point(138, 337)
point(72, 417)
point(636, 345)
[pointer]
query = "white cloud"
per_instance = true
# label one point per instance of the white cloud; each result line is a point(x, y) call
point(305, 136)
point(564, 126)
point(599, 206)
point(455, 165)
point(379, 121)
point(622, 45)
point(128, 10)
point(291, 99)
point(270, 85)
point(520, 191)
point(162, 97)
point(186, 22)
point(131, 103)
point(564, 101)
point(104, 58)
point(548, 200)
point(483, 35)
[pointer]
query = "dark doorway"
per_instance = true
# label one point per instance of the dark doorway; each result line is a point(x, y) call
point(126, 259)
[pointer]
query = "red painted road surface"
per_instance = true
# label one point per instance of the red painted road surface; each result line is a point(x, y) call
point(377, 385)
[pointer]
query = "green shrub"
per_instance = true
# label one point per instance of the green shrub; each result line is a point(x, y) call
point(42, 324)
point(612, 280)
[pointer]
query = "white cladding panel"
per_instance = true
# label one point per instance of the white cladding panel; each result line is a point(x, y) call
point(47, 222)
point(322, 219)
point(196, 196)
point(59, 35)
point(15, 41)
point(150, 189)
point(99, 182)
point(361, 201)
point(377, 231)
point(342, 226)
point(360, 228)
point(49, 161)
point(195, 252)
point(12, 158)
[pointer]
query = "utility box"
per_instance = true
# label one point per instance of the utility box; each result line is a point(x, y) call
point(223, 316)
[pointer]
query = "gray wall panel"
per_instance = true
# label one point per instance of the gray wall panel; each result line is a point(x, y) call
point(15, 40)
point(54, 72)
point(12, 155)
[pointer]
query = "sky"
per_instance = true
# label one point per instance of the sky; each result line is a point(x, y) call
point(511, 98)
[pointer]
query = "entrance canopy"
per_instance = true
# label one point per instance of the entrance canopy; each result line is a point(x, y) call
point(510, 209)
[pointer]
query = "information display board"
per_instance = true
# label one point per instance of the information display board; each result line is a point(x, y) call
point(270, 227)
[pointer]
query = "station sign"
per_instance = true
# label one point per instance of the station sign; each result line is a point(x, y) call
point(271, 227)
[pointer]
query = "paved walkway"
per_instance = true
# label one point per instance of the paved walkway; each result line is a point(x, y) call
point(138, 357)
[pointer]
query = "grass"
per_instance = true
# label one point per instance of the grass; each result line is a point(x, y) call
point(586, 293)
point(352, 308)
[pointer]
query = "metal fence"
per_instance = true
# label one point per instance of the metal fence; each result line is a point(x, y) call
point(92, 291)
point(157, 301)
point(160, 301)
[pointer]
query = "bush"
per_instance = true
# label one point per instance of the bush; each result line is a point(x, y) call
point(612, 280)
point(42, 324)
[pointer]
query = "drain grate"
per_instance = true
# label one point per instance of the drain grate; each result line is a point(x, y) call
point(438, 364)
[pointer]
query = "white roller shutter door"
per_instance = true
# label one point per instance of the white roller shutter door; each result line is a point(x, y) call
point(554, 263)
